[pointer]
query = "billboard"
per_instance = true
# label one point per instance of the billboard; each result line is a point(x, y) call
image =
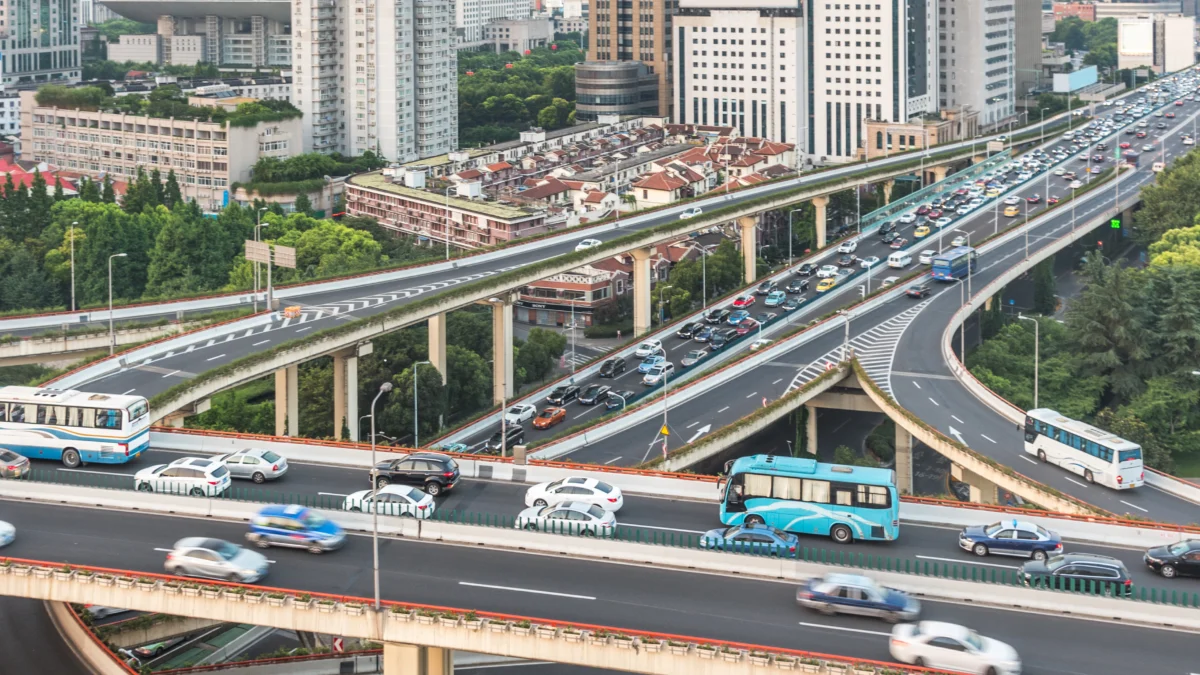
point(1074, 81)
point(1135, 42)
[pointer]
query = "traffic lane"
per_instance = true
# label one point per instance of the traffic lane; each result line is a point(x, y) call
point(31, 643)
point(583, 591)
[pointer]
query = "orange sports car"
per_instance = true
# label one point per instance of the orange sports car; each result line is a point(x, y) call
point(549, 417)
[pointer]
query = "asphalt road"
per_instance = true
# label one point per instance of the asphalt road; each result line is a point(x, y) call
point(632, 597)
point(641, 516)
point(33, 644)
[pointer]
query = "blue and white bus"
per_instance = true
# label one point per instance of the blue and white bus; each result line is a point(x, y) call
point(805, 496)
point(954, 263)
point(73, 427)
point(1097, 455)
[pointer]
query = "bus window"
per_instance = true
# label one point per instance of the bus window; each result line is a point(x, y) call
point(786, 488)
point(757, 485)
point(87, 417)
point(3, 412)
point(872, 495)
point(843, 495)
point(816, 491)
point(139, 409)
point(41, 414)
point(17, 414)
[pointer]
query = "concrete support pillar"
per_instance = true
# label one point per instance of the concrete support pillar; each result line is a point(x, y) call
point(641, 290)
point(174, 420)
point(287, 401)
point(437, 343)
point(888, 186)
point(811, 429)
point(345, 393)
point(819, 204)
point(749, 228)
point(402, 659)
point(978, 158)
point(939, 173)
point(502, 351)
point(904, 461)
point(983, 491)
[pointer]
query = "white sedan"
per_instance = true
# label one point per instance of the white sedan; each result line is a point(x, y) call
point(520, 412)
point(827, 271)
point(848, 247)
point(587, 243)
point(393, 500)
point(648, 348)
point(869, 262)
point(908, 218)
point(580, 518)
point(1012, 201)
point(935, 644)
point(7, 533)
point(576, 489)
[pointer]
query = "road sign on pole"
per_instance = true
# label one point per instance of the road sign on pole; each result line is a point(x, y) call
point(285, 256)
point(338, 645)
point(258, 251)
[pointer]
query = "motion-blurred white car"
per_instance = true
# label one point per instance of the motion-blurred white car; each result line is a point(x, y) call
point(936, 644)
point(7, 533)
point(393, 500)
point(580, 518)
point(576, 489)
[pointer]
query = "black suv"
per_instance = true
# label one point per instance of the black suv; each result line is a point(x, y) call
point(688, 330)
point(612, 367)
point(594, 394)
point(563, 395)
point(430, 471)
point(919, 291)
point(807, 269)
point(1085, 572)
point(717, 316)
point(886, 228)
point(515, 433)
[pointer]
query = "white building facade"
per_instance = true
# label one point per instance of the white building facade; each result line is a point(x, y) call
point(742, 64)
point(41, 41)
point(472, 15)
point(869, 60)
point(1162, 42)
point(377, 75)
point(977, 57)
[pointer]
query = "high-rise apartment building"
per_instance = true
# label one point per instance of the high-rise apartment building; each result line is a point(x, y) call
point(977, 42)
point(472, 15)
point(741, 63)
point(636, 30)
point(41, 40)
point(221, 32)
point(1163, 42)
point(869, 60)
point(376, 75)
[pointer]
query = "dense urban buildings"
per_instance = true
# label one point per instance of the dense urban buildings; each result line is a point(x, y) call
point(39, 41)
point(1164, 43)
point(471, 16)
point(1085, 11)
point(977, 56)
point(641, 31)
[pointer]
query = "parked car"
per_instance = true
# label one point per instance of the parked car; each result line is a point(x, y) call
point(563, 394)
point(1010, 537)
point(215, 559)
point(431, 471)
point(1181, 559)
point(856, 594)
point(394, 500)
point(294, 526)
point(549, 417)
point(936, 644)
point(575, 489)
point(648, 347)
point(693, 357)
point(195, 476)
point(612, 367)
point(521, 412)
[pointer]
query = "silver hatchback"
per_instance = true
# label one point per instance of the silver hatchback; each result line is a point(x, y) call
point(257, 464)
point(215, 559)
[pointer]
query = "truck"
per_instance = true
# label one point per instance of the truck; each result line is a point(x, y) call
point(955, 263)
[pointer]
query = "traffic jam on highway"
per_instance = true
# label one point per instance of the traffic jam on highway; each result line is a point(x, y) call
point(1021, 188)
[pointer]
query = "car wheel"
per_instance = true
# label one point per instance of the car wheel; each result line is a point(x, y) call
point(919, 662)
point(587, 533)
point(1168, 571)
point(356, 509)
point(315, 549)
point(539, 502)
point(990, 671)
point(433, 488)
point(531, 526)
point(70, 458)
point(841, 534)
point(1040, 556)
point(258, 477)
point(232, 578)
point(172, 570)
point(1087, 475)
point(1041, 455)
point(980, 550)
point(754, 521)
point(262, 543)
point(382, 482)
point(828, 610)
point(196, 492)
point(145, 487)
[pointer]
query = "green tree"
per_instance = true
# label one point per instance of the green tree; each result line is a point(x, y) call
point(396, 416)
point(25, 284)
point(469, 381)
point(109, 194)
point(171, 193)
point(1107, 324)
point(532, 363)
point(303, 204)
point(1045, 286)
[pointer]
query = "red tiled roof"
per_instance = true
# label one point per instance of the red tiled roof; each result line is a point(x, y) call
point(660, 181)
point(548, 188)
point(595, 197)
point(748, 160)
point(469, 174)
point(499, 166)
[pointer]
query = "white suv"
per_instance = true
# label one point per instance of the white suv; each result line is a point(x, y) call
point(195, 476)
point(848, 247)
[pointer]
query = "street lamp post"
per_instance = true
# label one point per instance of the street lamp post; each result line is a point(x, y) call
point(383, 389)
point(112, 336)
point(257, 225)
point(503, 400)
point(662, 315)
point(416, 428)
point(71, 236)
point(845, 336)
point(1036, 349)
point(573, 336)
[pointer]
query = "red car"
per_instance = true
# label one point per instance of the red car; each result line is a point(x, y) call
point(743, 301)
point(935, 214)
point(746, 326)
point(1035, 199)
point(1141, 134)
point(1051, 199)
point(899, 242)
point(1125, 146)
point(1170, 115)
point(924, 209)
point(1178, 102)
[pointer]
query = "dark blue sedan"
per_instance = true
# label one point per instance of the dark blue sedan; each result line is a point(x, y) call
point(761, 539)
point(856, 594)
point(1011, 537)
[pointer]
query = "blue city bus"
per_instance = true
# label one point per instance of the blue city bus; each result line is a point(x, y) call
point(73, 427)
point(955, 263)
point(804, 496)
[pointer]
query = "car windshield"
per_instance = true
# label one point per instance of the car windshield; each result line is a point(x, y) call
point(1056, 562)
point(595, 512)
point(603, 487)
point(992, 529)
point(1042, 532)
point(1179, 548)
point(646, 346)
point(546, 414)
point(220, 471)
point(314, 521)
point(227, 550)
point(269, 456)
point(515, 410)
point(974, 641)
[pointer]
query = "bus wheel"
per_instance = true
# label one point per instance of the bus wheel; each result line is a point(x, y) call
point(70, 458)
point(1042, 455)
point(841, 534)
point(755, 521)
point(1087, 475)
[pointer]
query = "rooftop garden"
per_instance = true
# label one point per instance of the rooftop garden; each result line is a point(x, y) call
point(164, 102)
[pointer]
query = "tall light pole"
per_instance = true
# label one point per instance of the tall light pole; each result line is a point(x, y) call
point(573, 336)
point(71, 236)
point(257, 225)
point(662, 315)
point(790, 234)
point(416, 428)
point(845, 336)
point(1036, 349)
point(383, 389)
point(112, 336)
point(503, 399)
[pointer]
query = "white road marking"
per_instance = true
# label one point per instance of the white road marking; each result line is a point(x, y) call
point(218, 356)
point(130, 391)
point(986, 438)
point(333, 494)
point(527, 590)
point(1134, 506)
point(301, 330)
point(692, 425)
point(1028, 460)
point(170, 374)
point(777, 381)
point(104, 473)
point(916, 385)
point(848, 630)
point(1076, 482)
point(260, 343)
point(934, 402)
point(665, 529)
point(957, 420)
point(722, 410)
point(965, 562)
point(164, 550)
point(613, 460)
point(583, 413)
point(752, 394)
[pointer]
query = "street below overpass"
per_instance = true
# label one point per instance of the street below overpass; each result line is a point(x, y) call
point(627, 596)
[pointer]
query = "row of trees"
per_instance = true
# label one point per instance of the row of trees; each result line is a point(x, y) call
point(166, 102)
point(1126, 355)
point(1097, 38)
point(500, 95)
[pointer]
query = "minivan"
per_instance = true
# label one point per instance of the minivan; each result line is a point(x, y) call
point(899, 259)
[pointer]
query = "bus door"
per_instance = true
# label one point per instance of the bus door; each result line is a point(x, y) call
point(734, 501)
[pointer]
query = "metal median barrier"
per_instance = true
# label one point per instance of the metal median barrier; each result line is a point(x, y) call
point(633, 535)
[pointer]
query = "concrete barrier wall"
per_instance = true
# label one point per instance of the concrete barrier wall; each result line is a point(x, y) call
point(94, 656)
point(166, 627)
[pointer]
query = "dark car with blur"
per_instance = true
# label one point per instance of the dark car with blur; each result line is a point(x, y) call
point(612, 367)
point(594, 394)
point(617, 399)
point(1181, 559)
point(716, 316)
point(688, 330)
point(563, 395)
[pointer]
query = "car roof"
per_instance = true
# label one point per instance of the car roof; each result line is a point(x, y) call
point(429, 455)
point(1093, 558)
point(582, 507)
point(848, 579)
point(943, 629)
point(284, 510)
point(200, 542)
point(198, 462)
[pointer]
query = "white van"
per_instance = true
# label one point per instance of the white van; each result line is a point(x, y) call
point(927, 257)
point(899, 259)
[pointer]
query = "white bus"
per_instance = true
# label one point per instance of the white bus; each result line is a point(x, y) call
point(73, 427)
point(1097, 455)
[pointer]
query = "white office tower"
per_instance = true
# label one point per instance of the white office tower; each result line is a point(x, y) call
point(377, 75)
point(869, 60)
point(741, 63)
point(40, 41)
point(472, 15)
point(977, 57)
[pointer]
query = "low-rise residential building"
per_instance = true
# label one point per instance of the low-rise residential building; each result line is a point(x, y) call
point(518, 35)
point(923, 131)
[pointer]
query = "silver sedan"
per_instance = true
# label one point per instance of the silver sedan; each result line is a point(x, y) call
point(257, 464)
